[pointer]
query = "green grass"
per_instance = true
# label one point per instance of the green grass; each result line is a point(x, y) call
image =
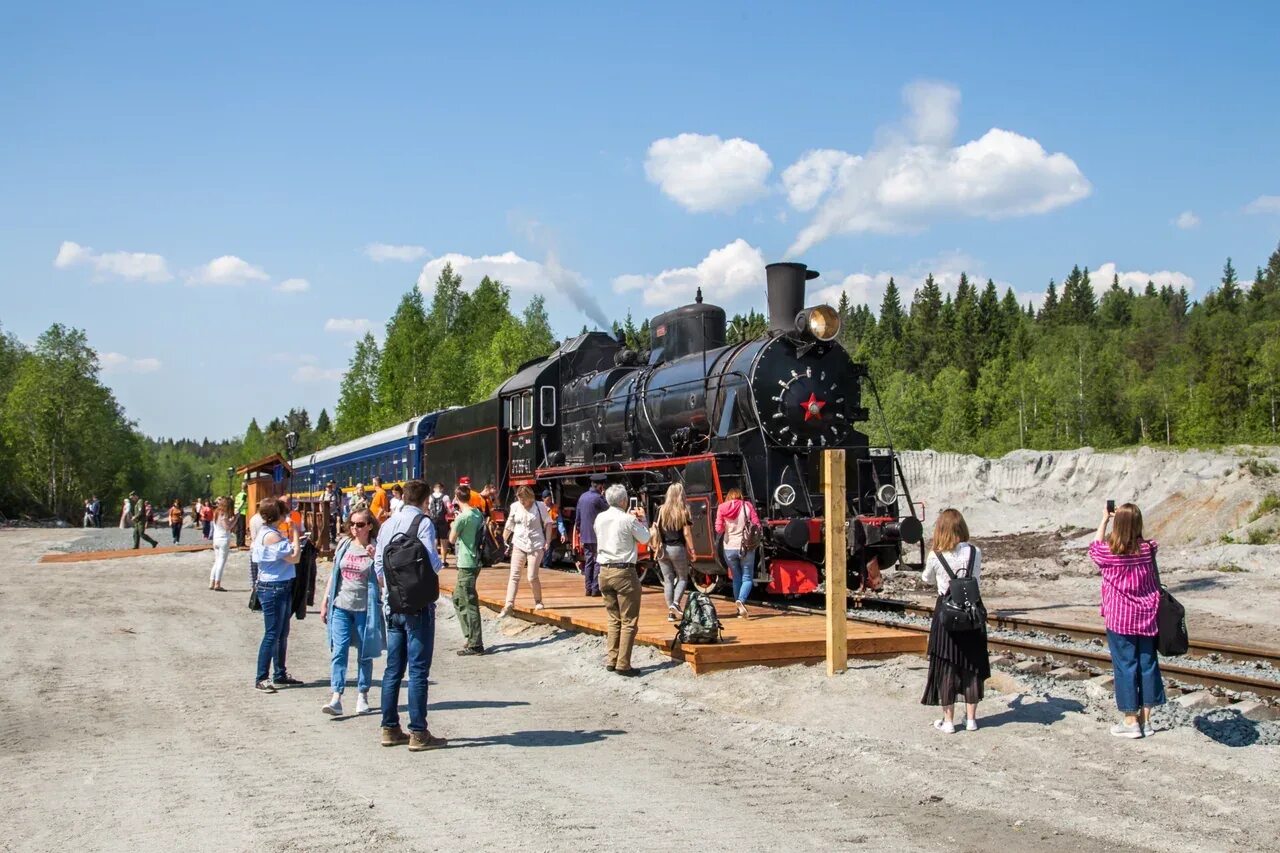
point(1230, 568)
point(1226, 539)
point(1261, 537)
point(1259, 467)
point(1266, 506)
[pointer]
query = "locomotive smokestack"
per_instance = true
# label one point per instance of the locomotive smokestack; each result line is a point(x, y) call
point(786, 293)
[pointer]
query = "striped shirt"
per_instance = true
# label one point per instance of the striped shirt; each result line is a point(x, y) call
point(1130, 596)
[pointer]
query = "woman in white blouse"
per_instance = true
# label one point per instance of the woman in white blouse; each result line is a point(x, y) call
point(526, 531)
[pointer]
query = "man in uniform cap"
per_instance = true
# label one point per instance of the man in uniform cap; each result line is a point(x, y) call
point(590, 505)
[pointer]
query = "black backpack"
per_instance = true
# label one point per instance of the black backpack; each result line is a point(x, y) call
point(488, 551)
point(411, 582)
point(436, 509)
point(962, 608)
point(699, 623)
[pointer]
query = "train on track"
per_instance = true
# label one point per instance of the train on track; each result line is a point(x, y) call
point(694, 408)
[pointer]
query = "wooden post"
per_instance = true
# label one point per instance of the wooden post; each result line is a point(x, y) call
point(837, 555)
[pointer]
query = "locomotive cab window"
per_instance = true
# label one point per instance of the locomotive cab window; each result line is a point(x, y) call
point(526, 410)
point(509, 420)
point(547, 401)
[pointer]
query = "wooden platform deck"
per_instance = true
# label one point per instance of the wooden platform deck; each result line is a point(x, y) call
point(770, 637)
point(145, 550)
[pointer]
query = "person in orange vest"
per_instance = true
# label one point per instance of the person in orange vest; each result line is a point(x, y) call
point(379, 505)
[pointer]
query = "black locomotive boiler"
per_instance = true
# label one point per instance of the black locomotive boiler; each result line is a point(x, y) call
point(754, 415)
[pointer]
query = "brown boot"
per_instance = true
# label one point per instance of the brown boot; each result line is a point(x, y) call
point(418, 741)
point(394, 737)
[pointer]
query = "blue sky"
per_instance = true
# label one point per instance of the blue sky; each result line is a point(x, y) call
point(164, 172)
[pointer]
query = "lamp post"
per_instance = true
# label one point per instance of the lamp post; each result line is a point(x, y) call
point(230, 473)
point(208, 486)
point(290, 445)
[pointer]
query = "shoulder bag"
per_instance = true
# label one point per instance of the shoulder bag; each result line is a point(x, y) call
point(1172, 639)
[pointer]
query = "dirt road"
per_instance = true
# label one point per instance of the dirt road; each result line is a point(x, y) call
point(129, 723)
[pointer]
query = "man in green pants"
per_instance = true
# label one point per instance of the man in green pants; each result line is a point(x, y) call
point(463, 534)
point(139, 522)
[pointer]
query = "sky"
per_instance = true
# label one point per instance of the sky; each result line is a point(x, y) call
point(225, 197)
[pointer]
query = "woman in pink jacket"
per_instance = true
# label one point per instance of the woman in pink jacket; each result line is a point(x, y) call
point(731, 522)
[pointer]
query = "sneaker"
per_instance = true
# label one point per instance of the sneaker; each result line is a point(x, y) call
point(1121, 730)
point(334, 708)
point(265, 687)
point(970, 725)
point(419, 741)
point(470, 651)
point(610, 668)
point(362, 704)
point(1149, 730)
point(671, 616)
point(505, 611)
point(945, 727)
point(537, 606)
point(394, 736)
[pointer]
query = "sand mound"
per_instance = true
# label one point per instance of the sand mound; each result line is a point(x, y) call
point(1189, 497)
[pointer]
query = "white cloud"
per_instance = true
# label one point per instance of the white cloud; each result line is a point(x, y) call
point(294, 285)
point(1187, 220)
point(227, 269)
point(114, 362)
point(356, 326)
point(1102, 277)
point(915, 176)
point(1264, 204)
point(131, 266)
point(723, 274)
point(707, 173)
point(868, 288)
point(311, 373)
point(380, 252)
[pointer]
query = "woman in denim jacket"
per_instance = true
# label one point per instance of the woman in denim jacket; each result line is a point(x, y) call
point(352, 610)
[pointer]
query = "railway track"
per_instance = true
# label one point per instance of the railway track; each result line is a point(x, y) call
point(1003, 628)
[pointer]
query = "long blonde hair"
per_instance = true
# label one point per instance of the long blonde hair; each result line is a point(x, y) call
point(949, 530)
point(674, 513)
point(1126, 530)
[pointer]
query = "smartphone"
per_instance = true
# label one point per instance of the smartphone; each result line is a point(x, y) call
point(635, 502)
point(1111, 507)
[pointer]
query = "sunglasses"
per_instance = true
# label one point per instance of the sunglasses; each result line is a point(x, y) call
point(359, 524)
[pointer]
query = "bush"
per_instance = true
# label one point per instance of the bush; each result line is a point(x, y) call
point(1259, 467)
point(1266, 506)
point(1261, 537)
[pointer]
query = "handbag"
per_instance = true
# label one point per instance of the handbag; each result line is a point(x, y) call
point(1172, 639)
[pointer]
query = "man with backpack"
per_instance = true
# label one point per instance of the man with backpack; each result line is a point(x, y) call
point(464, 535)
point(438, 512)
point(406, 561)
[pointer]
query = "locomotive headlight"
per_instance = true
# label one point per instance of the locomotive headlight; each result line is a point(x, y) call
point(886, 495)
point(821, 321)
point(784, 495)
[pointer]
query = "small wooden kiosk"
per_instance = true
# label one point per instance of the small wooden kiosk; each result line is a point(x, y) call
point(267, 477)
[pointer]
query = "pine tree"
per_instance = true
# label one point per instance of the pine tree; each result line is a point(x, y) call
point(1049, 309)
point(357, 411)
point(406, 350)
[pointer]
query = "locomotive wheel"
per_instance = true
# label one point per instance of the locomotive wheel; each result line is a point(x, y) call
point(705, 582)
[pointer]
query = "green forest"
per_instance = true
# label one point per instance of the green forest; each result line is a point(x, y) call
point(975, 371)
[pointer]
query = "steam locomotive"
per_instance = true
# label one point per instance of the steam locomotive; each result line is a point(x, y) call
point(694, 409)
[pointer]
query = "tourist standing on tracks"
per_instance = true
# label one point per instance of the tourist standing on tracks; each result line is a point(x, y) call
point(675, 538)
point(958, 661)
point(139, 521)
point(224, 527)
point(527, 531)
point(378, 505)
point(590, 505)
point(352, 609)
point(464, 534)
point(438, 512)
point(175, 520)
point(411, 637)
point(732, 518)
point(275, 556)
point(1130, 599)
point(617, 532)
point(241, 505)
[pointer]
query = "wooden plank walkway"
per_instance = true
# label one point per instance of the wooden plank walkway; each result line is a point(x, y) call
point(144, 551)
point(770, 637)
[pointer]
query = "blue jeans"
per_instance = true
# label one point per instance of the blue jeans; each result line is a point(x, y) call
point(743, 567)
point(1137, 672)
point(276, 598)
point(411, 641)
point(346, 625)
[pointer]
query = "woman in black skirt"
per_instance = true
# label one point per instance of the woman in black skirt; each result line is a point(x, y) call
point(958, 662)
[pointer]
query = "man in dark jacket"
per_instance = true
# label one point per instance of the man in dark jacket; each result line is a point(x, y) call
point(591, 504)
point(139, 522)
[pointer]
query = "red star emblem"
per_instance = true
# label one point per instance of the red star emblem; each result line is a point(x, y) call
point(813, 407)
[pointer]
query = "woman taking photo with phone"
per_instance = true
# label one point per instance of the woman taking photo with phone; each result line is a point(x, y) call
point(1130, 600)
point(352, 609)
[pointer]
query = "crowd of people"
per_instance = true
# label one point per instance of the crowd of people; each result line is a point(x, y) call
point(608, 527)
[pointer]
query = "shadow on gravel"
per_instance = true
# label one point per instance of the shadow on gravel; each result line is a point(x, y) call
point(537, 737)
point(1227, 727)
point(1196, 584)
point(533, 644)
point(1052, 710)
point(472, 705)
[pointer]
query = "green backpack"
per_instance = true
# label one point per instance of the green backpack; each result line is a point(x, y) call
point(699, 624)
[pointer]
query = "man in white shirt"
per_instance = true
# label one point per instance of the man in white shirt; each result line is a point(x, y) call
point(617, 532)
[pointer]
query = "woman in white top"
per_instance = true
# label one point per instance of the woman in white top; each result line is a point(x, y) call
point(526, 531)
point(224, 527)
point(958, 661)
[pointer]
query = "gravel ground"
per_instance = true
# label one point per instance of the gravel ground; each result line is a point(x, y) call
point(112, 538)
point(137, 729)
